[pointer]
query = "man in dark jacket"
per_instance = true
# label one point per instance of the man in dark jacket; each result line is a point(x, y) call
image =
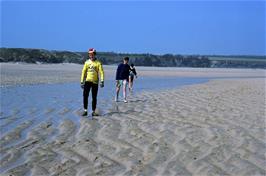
point(122, 74)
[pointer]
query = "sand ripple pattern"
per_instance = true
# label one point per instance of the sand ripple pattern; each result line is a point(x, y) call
point(216, 128)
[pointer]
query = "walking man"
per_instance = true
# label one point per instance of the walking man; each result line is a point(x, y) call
point(122, 75)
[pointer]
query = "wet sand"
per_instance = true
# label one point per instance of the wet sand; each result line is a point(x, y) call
point(216, 128)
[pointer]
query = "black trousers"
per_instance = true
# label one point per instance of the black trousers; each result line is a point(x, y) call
point(86, 91)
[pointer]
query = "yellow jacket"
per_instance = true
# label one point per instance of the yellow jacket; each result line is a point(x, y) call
point(91, 70)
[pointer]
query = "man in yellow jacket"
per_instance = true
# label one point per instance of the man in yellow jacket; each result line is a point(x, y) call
point(90, 79)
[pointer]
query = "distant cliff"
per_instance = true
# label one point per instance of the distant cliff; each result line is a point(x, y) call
point(109, 58)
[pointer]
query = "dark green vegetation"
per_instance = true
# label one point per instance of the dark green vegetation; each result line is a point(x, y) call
point(109, 58)
point(38, 55)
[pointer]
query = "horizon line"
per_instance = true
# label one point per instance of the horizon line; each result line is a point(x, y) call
point(131, 53)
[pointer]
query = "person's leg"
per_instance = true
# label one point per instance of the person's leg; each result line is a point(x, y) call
point(130, 83)
point(94, 92)
point(117, 89)
point(125, 90)
point(86, 92)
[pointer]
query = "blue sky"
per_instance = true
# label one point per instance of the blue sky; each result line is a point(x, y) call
point(157, 27)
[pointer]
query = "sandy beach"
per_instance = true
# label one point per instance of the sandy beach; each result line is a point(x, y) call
point(215, 128)
point(24, 74)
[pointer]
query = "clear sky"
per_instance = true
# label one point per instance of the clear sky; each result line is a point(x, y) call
point(156, 27)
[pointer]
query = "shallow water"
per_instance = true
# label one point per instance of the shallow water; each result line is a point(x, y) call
point(32, 98)
point(55, 102)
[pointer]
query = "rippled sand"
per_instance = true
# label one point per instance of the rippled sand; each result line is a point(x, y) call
point(217, 128)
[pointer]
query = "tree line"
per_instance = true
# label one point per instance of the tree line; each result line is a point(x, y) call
point(112, 58)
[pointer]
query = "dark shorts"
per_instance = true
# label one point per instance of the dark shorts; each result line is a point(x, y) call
point(131, 77)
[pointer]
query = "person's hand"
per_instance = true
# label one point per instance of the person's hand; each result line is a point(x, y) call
point(82, 85)
point(136, 76)
point(102, 84)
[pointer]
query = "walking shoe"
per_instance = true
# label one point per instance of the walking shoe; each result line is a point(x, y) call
point(125, 101)
point(94, 114)
point(85, 113)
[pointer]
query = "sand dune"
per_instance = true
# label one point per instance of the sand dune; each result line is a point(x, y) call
point(217, 128)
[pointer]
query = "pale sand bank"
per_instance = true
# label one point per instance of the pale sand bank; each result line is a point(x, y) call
point(18, 74)
point(217, 128)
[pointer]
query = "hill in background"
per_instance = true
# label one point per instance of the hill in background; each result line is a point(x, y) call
point(111, 58)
